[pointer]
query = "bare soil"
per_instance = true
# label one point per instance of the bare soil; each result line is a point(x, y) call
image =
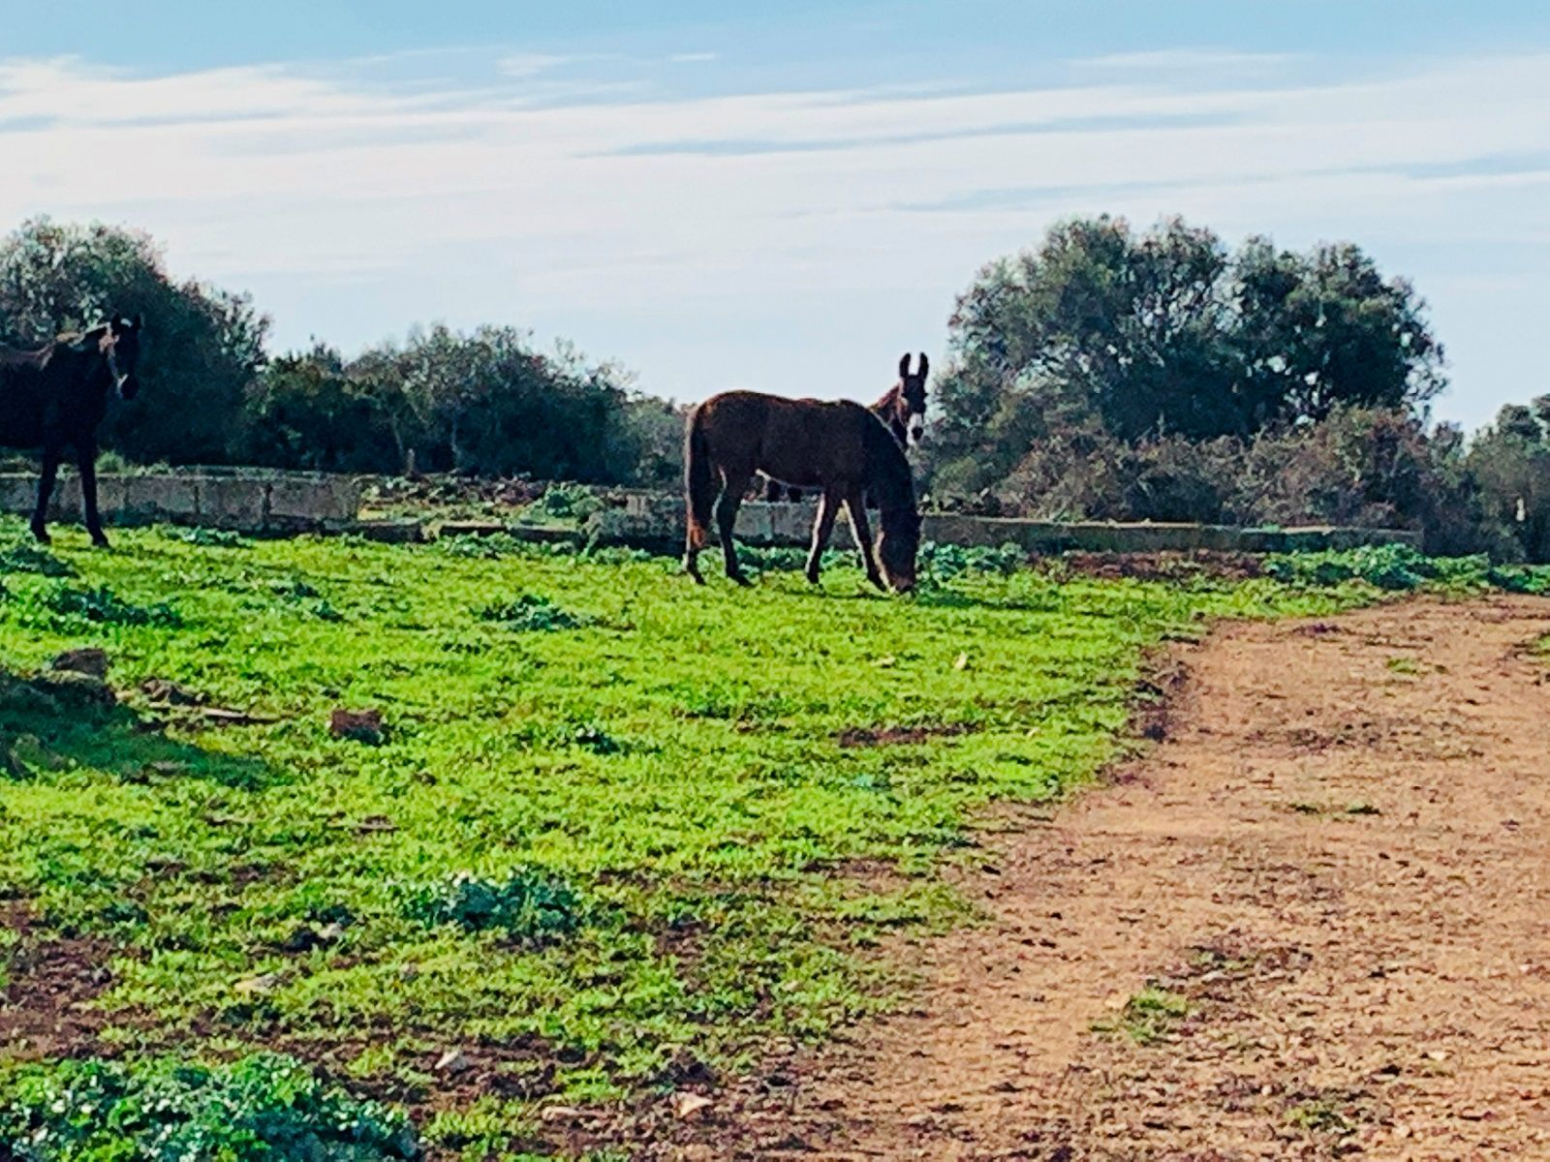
point(1333, 875)
point(46, 1007)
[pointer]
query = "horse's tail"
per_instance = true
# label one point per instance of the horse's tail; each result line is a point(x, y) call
point(699, 481)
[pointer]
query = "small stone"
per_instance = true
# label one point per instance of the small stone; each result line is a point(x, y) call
point(961, 662)
point(454, 1062)
point(92, 662)
point(690, 1105)
point(560, 1114)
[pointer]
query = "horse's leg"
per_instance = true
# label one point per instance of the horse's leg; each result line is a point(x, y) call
point(45, 490)
point(772, 490)
point(828, 509)
point(726, 520)
point(86, 463)
point(855, 504)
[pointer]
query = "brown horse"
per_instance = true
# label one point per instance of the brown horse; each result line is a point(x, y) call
point(55, 397)
point(903, 409)
point(840, 448)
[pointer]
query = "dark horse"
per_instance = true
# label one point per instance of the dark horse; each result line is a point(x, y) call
point(55, 397)
point(840, 448)
point(903, 409)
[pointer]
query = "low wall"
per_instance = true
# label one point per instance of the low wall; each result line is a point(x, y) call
point(242, 502)
point(255, 502)
point(658, 521)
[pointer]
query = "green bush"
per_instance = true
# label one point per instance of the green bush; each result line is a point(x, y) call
point(261, 1109)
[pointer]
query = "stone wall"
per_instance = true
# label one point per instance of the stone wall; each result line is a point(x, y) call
point(658, 520)
point(257, 502)
point(243, 502)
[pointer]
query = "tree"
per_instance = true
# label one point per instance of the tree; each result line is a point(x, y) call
point(311, 410)
point(204, 345)
point(483, 403)
point(1510, 464)
point(1166, 333)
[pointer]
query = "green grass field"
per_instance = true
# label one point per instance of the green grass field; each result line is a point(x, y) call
point(617, 827)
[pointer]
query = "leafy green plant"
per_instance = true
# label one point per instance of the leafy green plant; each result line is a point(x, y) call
point(568, 502)
point(211, 538)
point(528, 905)
point(1400, 568)
point(530, 613)
point(260, 1109)
point(26, 557)
point(64, 607)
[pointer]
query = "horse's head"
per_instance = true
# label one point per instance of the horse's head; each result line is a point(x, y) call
point(121, 348)
point(897, 545)
point(911, 399)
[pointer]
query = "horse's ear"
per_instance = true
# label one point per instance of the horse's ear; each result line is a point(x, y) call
point(925, 365)
point(904, 366)
point(139, 322)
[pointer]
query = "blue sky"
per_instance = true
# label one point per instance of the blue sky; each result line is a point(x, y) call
point(780, 196)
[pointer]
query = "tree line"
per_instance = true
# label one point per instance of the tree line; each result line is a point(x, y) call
point(485, 402)
point(1105, 373)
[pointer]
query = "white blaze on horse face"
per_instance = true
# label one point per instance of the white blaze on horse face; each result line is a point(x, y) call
point(917, 429)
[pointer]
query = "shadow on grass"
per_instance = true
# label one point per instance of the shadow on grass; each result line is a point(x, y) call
point(51, 725)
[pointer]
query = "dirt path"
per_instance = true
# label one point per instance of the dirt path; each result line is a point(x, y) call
point(1335, 875)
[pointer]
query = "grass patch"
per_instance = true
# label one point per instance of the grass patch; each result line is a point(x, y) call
point(663, 833)
point(1148, 1017)
point(1323, 1115)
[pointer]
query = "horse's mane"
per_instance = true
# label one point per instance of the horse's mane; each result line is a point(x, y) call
point(892, 483)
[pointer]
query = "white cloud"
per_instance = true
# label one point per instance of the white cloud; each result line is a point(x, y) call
point(1183, 60)
point(694, 58)
point(533, 199)
point(531, 64)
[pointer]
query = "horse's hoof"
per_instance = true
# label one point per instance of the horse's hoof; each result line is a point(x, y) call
point(41, 537)
point(694, 571)
point(100, 542)
point(812, 578)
